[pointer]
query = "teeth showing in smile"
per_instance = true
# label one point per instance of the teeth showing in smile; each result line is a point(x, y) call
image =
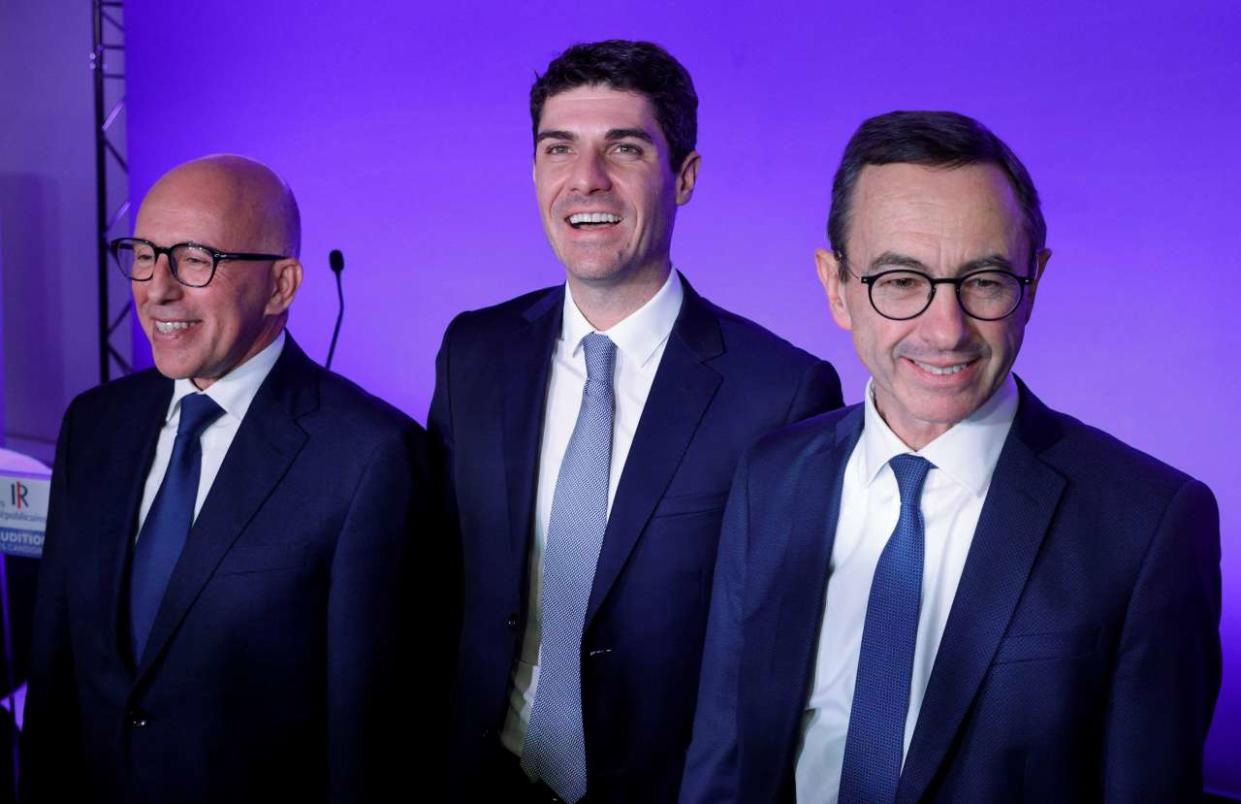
point(927, 367)
point(580, 218)
point(171, 326)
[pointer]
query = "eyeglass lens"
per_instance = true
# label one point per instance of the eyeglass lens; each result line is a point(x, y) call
point(192, 265)
point(986, 294)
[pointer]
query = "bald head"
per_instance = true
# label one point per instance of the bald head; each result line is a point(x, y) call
point(233, 206)
point(247, 193)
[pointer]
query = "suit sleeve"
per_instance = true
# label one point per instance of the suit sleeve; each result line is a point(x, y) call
point(439, 419)
point(51, 740)
point(711, 766)
point(1167, 672)
point(376, 661)
point(448, 614)
point(440, 431)
point(817, 392)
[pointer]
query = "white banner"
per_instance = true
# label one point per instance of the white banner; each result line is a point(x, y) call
point(23, 513)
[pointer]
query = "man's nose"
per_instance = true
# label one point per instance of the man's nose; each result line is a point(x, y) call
point(590, 173)
point(944, 323)
point(162, 286)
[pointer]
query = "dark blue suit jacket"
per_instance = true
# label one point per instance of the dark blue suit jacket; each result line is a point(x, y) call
point(1081, 657)
point(722, 381)
point(276, 666)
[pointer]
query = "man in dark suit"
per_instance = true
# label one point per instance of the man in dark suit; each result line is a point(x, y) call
point(950, 592)
point(220, 612)
point(589, 434)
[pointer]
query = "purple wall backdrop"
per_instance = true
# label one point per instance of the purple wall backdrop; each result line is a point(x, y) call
point(403, 129)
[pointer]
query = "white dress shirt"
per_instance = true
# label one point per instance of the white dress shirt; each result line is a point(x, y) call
point(233, 392)
point(640, 340)
point(964, 459)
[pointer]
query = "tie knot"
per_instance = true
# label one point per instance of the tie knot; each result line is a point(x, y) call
point(197, 412)
point(910, 471)
point(600, 357)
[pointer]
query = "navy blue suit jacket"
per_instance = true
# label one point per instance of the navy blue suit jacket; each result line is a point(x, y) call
point(722, 382)
point(276, 665)
point(1081, 657)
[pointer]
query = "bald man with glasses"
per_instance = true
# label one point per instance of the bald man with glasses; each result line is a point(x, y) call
point(223, 612)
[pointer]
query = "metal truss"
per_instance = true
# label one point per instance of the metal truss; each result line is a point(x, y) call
point(112, 184)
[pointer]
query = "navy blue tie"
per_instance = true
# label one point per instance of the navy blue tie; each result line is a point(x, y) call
point(876, 739)
point(555, 746)
point(168, 522)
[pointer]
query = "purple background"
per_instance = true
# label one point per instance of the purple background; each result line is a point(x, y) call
point(404, 131)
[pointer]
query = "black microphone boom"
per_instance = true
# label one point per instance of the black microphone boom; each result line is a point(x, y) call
point(336, 261)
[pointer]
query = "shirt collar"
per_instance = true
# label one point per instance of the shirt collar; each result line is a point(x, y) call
point(641, 333)
point(967, 452)
point(235, 390)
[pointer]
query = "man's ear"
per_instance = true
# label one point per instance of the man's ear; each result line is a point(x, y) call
point(687, 177)
point(1040, 265)
point(286, 277)
point(828, 266)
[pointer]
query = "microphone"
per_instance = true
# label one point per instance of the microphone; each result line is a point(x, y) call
point(336, 261)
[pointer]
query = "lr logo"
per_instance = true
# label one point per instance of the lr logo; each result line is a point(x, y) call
point(17, 494)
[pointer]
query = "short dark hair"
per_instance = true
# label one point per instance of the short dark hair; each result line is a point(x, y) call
point(640, 67)
point(933, 139)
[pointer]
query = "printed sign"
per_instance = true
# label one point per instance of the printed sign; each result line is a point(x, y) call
point(23, 513)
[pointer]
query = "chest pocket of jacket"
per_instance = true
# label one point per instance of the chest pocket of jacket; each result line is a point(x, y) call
point(683, 504)
point(1047, 646)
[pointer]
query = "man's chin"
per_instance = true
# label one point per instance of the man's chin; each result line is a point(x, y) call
point(610, 273)
point(173, 372)
point(174, 367)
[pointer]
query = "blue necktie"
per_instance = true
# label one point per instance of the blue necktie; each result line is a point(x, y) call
point(168, 522)
point(555, 748)
point(876, 739)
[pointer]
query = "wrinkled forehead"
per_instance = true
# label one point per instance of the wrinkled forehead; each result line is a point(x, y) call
point(956, 213)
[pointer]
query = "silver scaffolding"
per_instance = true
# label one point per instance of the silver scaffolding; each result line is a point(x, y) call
point(112, 183)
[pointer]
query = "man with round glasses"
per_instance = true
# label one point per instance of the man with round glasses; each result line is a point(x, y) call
point(950, 592)
point(221, 613)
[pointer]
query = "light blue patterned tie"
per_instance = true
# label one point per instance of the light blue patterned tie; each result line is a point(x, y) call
point(876, 739)
point(555, 748)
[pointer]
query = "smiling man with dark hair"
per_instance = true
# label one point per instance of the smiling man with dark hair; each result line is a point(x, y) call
point(588, 434)
point(950, 592)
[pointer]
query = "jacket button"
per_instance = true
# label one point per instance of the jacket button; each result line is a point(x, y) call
point(512, 621)
point(136, 718)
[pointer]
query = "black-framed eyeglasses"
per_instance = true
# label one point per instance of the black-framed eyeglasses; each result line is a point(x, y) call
point(191, 264)
point(988, 295)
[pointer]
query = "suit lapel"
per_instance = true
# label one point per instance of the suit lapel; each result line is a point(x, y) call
point(262, 451)
point(129, 459)
point(1018, 511)
point(790, 654)
point(527, 365)
point(680, 393)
